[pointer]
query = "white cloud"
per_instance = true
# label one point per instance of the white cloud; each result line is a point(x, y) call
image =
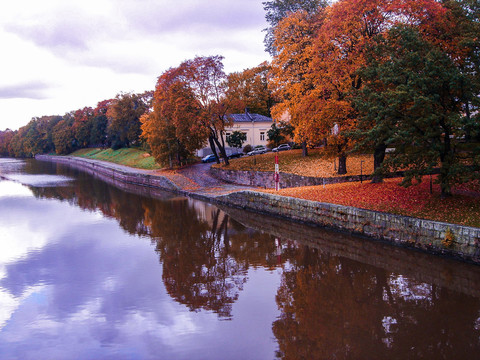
point(63, 55)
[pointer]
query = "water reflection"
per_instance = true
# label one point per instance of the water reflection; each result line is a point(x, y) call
point(288, 291)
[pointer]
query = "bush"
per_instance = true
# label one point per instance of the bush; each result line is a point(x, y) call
point(247, 148)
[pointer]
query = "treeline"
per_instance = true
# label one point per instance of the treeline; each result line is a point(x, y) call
point(112, 123)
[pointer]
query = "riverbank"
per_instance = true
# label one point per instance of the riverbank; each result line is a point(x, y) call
point(431, 236)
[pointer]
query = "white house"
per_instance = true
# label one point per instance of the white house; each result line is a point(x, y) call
point(255, 126)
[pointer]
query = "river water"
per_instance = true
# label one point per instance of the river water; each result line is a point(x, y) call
point(92, 270)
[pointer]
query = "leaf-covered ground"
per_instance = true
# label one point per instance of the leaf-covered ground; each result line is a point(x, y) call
point(462, 208)
point(317, 163)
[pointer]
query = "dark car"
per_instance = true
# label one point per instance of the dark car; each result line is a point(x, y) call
point(208, 158)
point(235, 155)
point(282, 147)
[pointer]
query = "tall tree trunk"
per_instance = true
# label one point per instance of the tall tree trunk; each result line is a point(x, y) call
point(222, 150)
point(445, 187)
point(304, 149)
point(378, 157)
point(342, 164)
point(213, 148)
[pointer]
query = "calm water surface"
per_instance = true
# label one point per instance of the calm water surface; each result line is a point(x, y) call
point(92, 270)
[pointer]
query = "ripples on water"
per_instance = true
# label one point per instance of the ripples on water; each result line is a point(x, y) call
point(91, 271)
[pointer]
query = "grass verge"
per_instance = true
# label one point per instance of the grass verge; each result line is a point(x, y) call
point(127, 156)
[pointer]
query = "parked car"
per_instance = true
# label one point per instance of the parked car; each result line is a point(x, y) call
point(282, 147)
point(208, 158)
point(258, 150)
point(235, 155)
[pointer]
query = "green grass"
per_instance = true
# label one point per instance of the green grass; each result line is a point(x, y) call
point(127, 156)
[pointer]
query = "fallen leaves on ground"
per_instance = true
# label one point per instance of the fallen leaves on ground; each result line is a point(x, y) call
point(316, 164)
point(461, 208)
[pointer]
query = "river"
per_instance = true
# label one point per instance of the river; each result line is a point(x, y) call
point(97, 270)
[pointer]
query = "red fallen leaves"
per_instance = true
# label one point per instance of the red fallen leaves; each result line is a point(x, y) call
point(462, 208)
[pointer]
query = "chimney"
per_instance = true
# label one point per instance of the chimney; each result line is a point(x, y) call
point(247, 113)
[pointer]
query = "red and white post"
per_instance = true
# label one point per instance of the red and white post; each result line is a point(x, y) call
point(277, 174)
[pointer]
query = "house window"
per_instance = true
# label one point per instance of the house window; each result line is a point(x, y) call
point(262, 136)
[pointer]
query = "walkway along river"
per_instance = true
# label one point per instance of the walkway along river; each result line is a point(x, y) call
point(406, 231)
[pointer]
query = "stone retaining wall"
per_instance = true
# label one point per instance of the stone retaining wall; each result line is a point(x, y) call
point(265, 179)
point(117, 173)
point(401, 230)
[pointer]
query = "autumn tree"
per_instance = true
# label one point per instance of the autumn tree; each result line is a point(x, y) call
point(277, 10)
point(171, 129)
point(64, 135)
point(249, 89)
point(99, 122)
point(5, 142)
point(206, 80)
point(82, 126)
point(334, 54)
point(34, 138)
point(294, 38)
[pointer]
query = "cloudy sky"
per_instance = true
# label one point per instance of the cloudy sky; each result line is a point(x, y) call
point(62, 55)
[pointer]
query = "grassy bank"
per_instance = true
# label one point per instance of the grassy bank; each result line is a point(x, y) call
point(127, 156)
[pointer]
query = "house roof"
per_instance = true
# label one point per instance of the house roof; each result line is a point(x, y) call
point(249, 117)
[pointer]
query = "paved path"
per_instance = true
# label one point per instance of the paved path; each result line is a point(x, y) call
point(197, 178)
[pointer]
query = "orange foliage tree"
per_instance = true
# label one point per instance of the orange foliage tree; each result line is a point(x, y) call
point(249, 88)
point(191, 106)
point(294, 37)
point(170, 129)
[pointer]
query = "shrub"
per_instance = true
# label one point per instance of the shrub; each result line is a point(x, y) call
point(247, 148)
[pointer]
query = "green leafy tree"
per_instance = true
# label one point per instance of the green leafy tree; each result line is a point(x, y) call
point(98, 132)
point(466, 16)
point(278, 134)
point(236, 139)
point(412, 96)
point(124, 118)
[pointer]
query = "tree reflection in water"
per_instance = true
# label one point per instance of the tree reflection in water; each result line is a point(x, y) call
point(205, 255)
point(335, 308)
point(331, 305)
